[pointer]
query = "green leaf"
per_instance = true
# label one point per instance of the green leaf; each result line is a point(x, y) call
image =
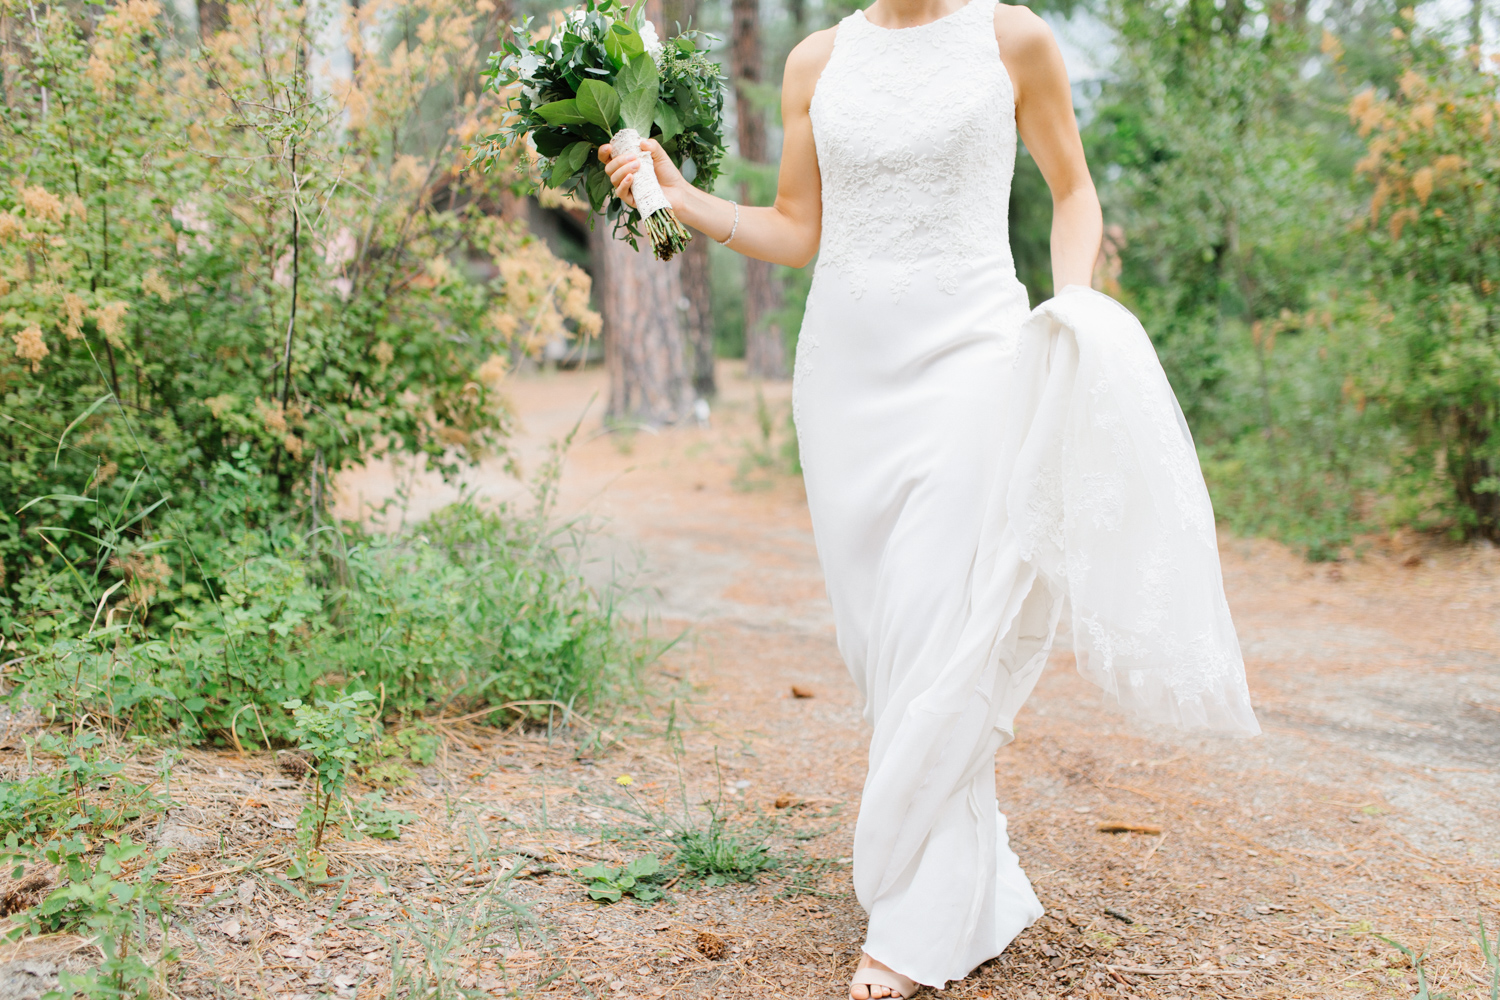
point(562, 113)
point(596, 182)
point(623, 43)
point(667, 120)
point(602, 891)
point(645, 893)
point(599, 103)
point(598, 871)
point(637, 84)
point(569, 162)
point(550, 141)
point(647, 864)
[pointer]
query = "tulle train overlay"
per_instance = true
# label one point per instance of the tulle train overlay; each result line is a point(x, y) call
point(973, 467)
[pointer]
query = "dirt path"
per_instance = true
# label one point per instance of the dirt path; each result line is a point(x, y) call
point(1370, 805)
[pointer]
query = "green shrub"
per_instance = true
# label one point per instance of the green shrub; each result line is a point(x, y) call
point(1434, 273)
point(213, 300)
point(112, 897)
point(330, 734)
point(472, 608)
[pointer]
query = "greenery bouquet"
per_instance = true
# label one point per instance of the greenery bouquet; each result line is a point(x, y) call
point(601, 75)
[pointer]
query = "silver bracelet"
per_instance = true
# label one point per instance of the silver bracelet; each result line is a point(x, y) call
point(734, 228)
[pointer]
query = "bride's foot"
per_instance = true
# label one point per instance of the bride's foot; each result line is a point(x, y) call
point(874, 980)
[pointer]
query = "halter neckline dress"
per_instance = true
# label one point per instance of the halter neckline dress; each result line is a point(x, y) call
point(951, 514)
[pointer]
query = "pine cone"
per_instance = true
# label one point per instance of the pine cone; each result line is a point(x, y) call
point(25, 892)
point(294, 763)
point(711, 945)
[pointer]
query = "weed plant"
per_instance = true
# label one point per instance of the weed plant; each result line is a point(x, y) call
point(83, 793)
point(718, 855)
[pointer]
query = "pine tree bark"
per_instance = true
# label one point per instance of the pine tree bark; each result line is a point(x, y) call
point(765, 353)
point(213, 17)
point(698, 317)
point(640, 300)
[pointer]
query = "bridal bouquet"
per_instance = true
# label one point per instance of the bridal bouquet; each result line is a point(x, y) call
point(602, 75)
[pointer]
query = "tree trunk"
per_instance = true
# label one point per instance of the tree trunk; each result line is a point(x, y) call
point(698, 317)
point(639, 298)
point(765, 354)
point(213, 17)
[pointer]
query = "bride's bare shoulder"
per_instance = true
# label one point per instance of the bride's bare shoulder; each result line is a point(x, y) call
point(1021, 32)
point(1027, 48)
point(805, 64)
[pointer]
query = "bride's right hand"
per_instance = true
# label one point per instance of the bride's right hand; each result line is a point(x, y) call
point(621, 171)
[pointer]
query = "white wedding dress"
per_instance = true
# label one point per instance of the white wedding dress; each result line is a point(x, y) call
point(970, 465)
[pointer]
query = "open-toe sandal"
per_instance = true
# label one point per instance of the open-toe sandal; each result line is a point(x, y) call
point(871, 976)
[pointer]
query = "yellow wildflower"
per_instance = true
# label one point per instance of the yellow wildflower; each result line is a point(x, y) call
point(624, 780)
point(492, 372)
point(100, 73)
point(41, 203)
point(111, 320)
point(504, 323)
point(590, 324)
point(30, 346)
point(272, 415)
point(153, 282)
point(220, 405)
point(1421, 183)
point(73, 305)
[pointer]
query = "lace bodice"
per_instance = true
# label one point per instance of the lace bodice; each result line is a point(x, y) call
point(916, 138)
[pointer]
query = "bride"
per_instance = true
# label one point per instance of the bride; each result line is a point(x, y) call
point(969, 463)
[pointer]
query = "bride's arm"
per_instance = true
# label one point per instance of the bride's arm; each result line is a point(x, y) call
point(788, 231)
point(1044, 118)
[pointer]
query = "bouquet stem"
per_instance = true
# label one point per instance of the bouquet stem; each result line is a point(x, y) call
point(668, 236)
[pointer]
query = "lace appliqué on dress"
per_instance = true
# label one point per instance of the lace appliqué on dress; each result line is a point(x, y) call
point(916, 138)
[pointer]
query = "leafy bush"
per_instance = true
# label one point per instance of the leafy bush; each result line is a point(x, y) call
point(225, 279)
point(217, 300)
point(1434, 270)
point(330, 734)
point(113, 897)
point(473, 608)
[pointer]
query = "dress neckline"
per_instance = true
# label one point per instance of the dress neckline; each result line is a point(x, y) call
point(915, 27)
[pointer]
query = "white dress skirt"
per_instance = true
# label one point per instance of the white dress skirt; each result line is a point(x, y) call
point(970, 465)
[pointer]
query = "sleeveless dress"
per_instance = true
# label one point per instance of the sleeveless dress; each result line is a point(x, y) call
point(952, 467)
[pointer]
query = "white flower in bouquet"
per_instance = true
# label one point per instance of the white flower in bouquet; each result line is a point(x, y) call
point(651, 41)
